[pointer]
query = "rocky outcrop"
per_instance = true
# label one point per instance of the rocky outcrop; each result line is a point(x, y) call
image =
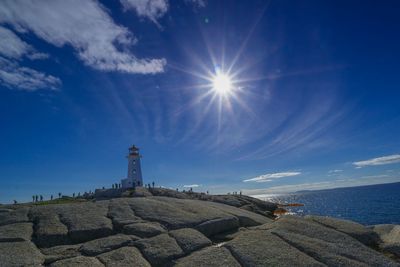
point(389, 235)
point(170, 231)
point(363, 234)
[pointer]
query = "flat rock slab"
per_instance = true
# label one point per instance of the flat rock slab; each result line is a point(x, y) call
point(79, 261)
point(363, 234)
point(325, 244)
point(121, 213)
point(86, 221)
point(23, 253)
point(174, 213)
point(246, 218)
point(160, 249)
point(16, 232)
point(190, 239)
point(145, 229)
point(220, 225)
point(105, 244)
point(209, 257)
point(187, 213)
point(60, 252)
point(20, 214)
point(49, 230)
point(261, 248)
point(124, 257)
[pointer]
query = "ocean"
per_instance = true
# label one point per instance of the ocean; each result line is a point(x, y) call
point(368, 205)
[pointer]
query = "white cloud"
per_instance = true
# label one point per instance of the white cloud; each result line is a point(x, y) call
point(378, 161)
point(335, 171)
point(191, 185)
point(270, 176)
point(14, 76)
point(11, 46)
point(84, 25)
point(151, 9)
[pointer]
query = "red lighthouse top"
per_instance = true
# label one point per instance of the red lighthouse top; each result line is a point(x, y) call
point(133, 151)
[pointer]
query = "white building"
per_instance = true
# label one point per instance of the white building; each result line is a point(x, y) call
point(134, 170)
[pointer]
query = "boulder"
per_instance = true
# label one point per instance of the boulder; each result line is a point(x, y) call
point(209, 257)
point(23, 253)
point(261, 248)
point(60, 252)
point(104, 244)
point(126, 256)
point(216, 226)
point(79, 261)
point(16, 232)
point(360, 232)
point(160, 249)
point(190, 239)
point(145, 229)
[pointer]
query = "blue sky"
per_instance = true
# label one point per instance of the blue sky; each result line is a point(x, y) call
point(314, 105)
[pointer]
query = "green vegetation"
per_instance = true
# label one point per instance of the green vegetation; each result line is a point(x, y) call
point(63, 200)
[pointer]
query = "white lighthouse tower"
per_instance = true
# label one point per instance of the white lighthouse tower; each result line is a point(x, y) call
point(134, 170)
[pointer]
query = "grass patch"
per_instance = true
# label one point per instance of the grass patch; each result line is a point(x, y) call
point(63, 200)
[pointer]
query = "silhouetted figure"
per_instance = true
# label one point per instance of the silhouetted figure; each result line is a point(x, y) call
point(73, 195)
point(41, 198)
point(15, 202)
point(103, 187)
point(51, 197)
point(113, 186)
point(153, 184)
point(59, 195)
point(240, 193)
point(36, 198)
point(207, 192)
point(177, 190)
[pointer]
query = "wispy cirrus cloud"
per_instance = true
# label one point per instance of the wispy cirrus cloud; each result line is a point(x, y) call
point(378, 161)
point(191, 185)
point(14, 76)
point(86, 26)
point(335, 171)
point(270, 176)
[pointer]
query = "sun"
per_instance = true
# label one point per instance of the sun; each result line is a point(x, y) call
point(222, 84)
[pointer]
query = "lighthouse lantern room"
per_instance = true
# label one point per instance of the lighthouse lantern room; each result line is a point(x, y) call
point(134, 169)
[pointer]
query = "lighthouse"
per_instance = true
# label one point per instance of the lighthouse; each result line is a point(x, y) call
point(134, 169)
